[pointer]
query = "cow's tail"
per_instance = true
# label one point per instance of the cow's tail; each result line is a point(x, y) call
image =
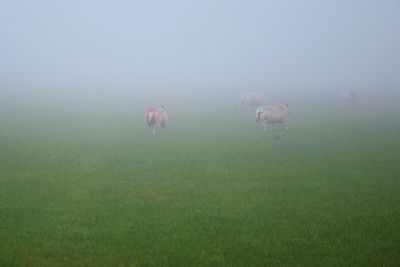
point(151, 119)
point(258, 116)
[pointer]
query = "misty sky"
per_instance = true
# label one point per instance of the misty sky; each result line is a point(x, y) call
point(195, 45)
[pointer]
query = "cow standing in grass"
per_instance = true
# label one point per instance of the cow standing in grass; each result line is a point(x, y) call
point(251, 99)
point(270, 115)
point(348, 95)
point(156, 118)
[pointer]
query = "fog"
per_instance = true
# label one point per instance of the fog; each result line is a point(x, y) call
point(123, 56)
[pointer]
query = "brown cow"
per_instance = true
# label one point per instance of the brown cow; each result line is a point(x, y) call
point(156, 118)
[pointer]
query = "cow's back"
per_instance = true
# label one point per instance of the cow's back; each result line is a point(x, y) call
point(274, 114)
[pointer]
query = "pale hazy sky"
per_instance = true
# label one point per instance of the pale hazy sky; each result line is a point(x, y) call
point(200, 44)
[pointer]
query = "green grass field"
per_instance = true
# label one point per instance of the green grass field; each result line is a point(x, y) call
point(101, 191)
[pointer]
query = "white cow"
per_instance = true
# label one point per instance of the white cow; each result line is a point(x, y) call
point(252, 99)
point(348, 95)
point(271, 114)
point(156, 118)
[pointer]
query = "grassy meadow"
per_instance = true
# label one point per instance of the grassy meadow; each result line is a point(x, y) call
point(91, 190)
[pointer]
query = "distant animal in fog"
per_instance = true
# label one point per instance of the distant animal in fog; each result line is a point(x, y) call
point(271, 114)
point(348, 95)
point(251, 99)
point(156, 118)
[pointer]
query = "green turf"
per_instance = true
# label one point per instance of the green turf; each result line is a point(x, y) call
point(92, 191)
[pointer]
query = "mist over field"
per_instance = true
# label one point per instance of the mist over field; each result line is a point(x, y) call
point(127, 56)
point(83, 181)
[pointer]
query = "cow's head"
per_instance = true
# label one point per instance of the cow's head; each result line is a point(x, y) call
point(285, 107)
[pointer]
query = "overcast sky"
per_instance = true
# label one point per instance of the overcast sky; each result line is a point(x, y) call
point(200, 45)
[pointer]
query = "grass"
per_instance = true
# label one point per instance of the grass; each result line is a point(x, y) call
point(92, 191)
